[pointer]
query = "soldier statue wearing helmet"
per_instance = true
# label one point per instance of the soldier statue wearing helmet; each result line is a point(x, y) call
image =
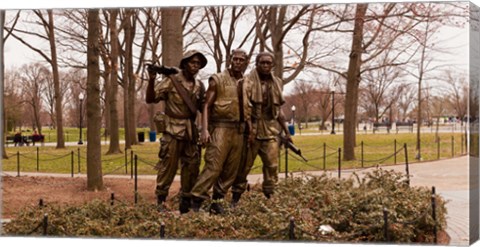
point(183, 95)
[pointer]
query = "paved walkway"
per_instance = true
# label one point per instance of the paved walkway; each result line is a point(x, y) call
point(450, 178)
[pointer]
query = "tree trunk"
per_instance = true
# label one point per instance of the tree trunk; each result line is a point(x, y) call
point(172, 36)
point(353, 81)
point(152, 26)
point(106, 75)
point(114, 146)
point(132, 119)
point(94, 118)
point(2, 85)
point(131, 93)
point(56, 82)
point(36, 118)
point(127, 82)
point(276, 19)
point(172, 40)
point(421, 66)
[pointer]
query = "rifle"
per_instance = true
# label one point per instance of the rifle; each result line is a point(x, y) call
point(288, 144)
point(163, 70)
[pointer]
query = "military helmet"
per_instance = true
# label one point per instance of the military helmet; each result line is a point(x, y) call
point(189, 54)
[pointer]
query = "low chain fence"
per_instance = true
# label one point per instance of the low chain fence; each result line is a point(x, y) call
point(338, 154)
point(320, 157)
point(73, 161)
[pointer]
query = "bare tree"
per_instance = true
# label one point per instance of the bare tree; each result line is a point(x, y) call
point(128, 77)
point(382, 90)
point(421, 72)
point(305, 91)
point(223, 30)
point(384, 28)
point(405, 102)
point(274, 23)
point(153, 17)
point(459, 97)
point(438, 110)
point(430, 17)
point(46, 21)
point(13, 100)
point(111, 94)
point(33, 83)
point(324, 105)
point(94, 162)
point(353, 81)
point(48, 93)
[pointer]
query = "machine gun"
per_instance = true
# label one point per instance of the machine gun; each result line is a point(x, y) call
point(288, 144)
point(163, 70)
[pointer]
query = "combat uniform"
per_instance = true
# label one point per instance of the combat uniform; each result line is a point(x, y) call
point(267, 99)
point(180, 136)
point(226, 125)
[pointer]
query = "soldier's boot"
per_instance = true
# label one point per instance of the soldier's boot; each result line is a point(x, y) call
point(235, 199)
point(216, 207)
point(196, 203)
point(267, 195)
point(161, 203)
point(185, 204)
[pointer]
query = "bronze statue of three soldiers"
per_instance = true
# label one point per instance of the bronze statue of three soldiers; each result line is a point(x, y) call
point(241, 118)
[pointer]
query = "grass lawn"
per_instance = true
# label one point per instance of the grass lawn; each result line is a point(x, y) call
point(320, 150)
point(72, 134)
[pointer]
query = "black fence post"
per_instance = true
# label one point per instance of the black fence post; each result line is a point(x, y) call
point(279, 158)
point(339, 162)
point(131, 163)
point(324, 156)
point(71, 163)
point(112, 199)
point(18, 163)
point(395, 151)
point(126, 161)
point(291, 229)
point(38, 160)
point(162, 230)
point(136, 180)
point(45, 224)
point(407, 170)
point(78, 160)
point(286, 162)
point(453, 146)
point(40, 203)
point(385, 224)
point(434, 216)
point(362, 156)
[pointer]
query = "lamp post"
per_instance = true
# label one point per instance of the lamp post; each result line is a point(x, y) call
point(293, 116)
point(333, 112)
point(80, 97)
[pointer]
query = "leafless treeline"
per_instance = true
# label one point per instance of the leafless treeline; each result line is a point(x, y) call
point(382, 57)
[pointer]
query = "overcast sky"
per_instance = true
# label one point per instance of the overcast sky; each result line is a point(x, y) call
point(17, 54)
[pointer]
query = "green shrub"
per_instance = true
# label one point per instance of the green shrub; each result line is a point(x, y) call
point(352, 207)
